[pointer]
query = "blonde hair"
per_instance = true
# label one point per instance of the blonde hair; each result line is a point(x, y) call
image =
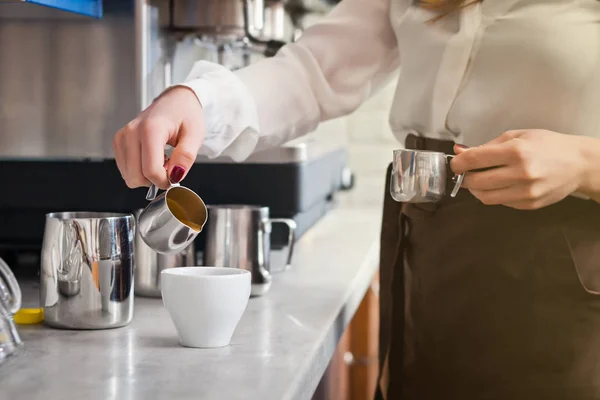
point(445, 7)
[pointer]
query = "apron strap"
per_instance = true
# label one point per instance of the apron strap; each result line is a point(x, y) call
point(393, 231)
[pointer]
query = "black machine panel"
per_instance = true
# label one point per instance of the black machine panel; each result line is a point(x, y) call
point(32, 188)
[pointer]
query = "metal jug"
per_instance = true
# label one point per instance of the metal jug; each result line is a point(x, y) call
point(10, 303)
point(239, 236)
point(172, 220)
point(420, 176)
point(87, 270)
point(149, 264)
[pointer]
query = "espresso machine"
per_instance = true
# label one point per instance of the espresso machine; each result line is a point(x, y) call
point(71, 78)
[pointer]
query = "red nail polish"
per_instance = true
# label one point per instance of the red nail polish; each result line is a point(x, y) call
point(177, 174)
point(461, 146)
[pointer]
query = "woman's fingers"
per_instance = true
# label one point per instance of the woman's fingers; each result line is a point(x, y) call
point(494, 178)
point(154, 134)
point(499, 196)
point(185, 151)
point(133, 153)
point(506, 136)
point(176, 117)
point(510, 152)
point(530, 194)
point(119, 150)
point(480, 157)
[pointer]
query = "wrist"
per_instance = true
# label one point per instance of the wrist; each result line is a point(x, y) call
point(589, 155)
point(184, 92)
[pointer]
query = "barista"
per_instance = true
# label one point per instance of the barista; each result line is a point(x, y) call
point(489, 295)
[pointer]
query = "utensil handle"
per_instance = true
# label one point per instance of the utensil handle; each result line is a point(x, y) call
point(153, 190)
point(291, 224)
point(458, 179)
point(14, 291)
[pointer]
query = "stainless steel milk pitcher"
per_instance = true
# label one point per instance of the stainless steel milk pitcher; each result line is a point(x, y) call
point(420, 176)
point(239, 236)
point(149, 264)
point(87, 270)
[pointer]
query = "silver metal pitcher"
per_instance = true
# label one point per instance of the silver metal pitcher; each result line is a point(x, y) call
point(10, 303)
point(149, 264)
point(420, 176)
point(87, 270)
point(159, 224)
point(221, 18)
point(239, 236)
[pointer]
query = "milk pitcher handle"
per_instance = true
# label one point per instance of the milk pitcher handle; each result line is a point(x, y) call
point(458, 179)
point(291, 224)
point(153, 191)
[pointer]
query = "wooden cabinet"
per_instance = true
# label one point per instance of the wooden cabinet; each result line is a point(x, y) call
point(353, 369)
point(335, 384)
point(364, 345)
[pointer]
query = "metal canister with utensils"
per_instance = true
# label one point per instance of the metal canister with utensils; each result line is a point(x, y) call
point(87, 270)
point(149, 264)
point(239, 236)
point(10, 302)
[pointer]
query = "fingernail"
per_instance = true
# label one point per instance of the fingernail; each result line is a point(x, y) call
point(461, 146)
point(177, 174)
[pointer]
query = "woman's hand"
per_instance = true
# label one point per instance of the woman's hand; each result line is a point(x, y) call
point(530, 169)
point(176, 119)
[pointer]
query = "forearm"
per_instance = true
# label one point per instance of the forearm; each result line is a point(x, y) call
point(335, 66)
point(590, 157)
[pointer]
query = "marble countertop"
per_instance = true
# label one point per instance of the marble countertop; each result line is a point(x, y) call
point(279, 351)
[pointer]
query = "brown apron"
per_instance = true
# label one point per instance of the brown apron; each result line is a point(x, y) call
point(488, 302)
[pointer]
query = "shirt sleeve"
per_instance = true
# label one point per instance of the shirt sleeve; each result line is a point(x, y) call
point(331, 70)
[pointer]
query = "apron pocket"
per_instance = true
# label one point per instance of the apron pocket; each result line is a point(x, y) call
point(582, 235)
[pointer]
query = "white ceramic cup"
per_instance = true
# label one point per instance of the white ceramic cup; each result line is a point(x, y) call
point(205, 303)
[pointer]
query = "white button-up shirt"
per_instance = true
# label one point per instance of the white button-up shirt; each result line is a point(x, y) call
point(491, 67)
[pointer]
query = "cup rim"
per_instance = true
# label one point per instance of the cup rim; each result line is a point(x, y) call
point(179, 187)
point(79, 215)
point(418, 151)
point(203, 272)
point(237, 207)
